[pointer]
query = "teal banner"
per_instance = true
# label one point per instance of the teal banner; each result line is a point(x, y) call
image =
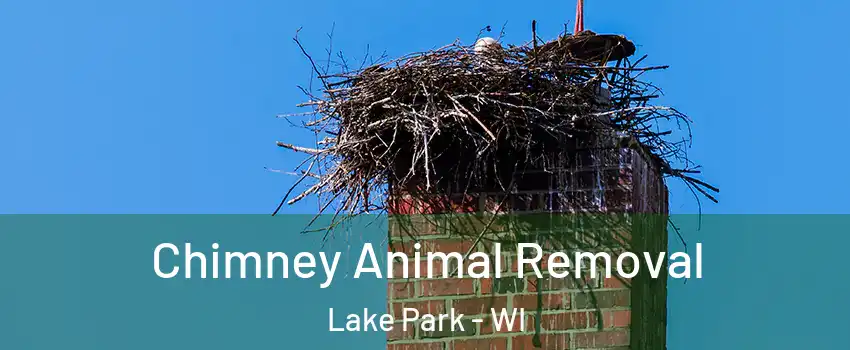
point(100, 282)
point(88, 282)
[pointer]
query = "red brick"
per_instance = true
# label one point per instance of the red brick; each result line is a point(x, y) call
point(482, 305)
point(612, 319)
point(410, 226)
point(547, 342)
point(576, 319)
point(563, 321)
point(601, 299)
point(570, 282)
point(451, 286)
point(615, 282)
point(536, 283)
point(402, 205)
point(431, 246)
point(439, 204)
point(446, 246)
point(486, 285)
point(550, 301)
point(417, 346)
point(494, 204)
point(543, 265)
point(601, 339)
point(500, 343)
point(524, 342)
point(424, 307)
point(402, 290)
point(436, 268)
point(502, 285)
point(402, 247)
point(399, 333)
point(398, 268)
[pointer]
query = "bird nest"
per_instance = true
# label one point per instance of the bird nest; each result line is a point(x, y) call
point(457, 119)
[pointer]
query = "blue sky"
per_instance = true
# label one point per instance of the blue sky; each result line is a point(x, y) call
point(169, 106)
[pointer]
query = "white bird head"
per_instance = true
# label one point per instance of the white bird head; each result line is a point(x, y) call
point(485, 44)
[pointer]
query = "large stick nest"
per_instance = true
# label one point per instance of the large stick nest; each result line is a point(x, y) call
point(450, 117)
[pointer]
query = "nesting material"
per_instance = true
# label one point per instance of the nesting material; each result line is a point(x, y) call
point(457, 119)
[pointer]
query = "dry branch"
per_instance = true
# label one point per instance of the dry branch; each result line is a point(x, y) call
point(449, 116)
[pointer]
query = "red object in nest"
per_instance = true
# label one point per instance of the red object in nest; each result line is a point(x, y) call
point(579, 17)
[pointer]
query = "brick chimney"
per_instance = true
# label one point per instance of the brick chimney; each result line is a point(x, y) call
point(597, 313)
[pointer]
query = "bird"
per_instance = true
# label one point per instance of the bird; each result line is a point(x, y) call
point(486, 44)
